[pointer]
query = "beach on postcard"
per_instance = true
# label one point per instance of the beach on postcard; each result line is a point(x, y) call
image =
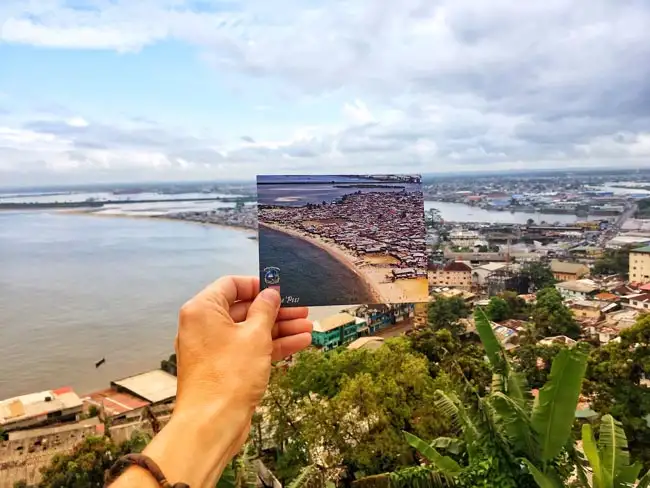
point(341, 240)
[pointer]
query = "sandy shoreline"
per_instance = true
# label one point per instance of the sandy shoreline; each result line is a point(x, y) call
point(156, 217)
point(373, 277)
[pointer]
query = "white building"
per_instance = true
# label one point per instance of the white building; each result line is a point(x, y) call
point(577, 289)
point(42, 408)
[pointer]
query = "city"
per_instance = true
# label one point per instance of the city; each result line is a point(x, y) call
point(598, 267)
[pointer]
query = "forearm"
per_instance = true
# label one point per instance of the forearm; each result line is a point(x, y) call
point(193, 448)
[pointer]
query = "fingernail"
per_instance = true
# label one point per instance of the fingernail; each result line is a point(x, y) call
point(270, 295)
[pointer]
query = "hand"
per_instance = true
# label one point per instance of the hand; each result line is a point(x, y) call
point(228, 335)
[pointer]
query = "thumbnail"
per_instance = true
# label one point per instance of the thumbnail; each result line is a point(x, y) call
point(342, 239)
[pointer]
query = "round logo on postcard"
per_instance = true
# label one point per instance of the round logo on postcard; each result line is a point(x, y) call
point(272, 275)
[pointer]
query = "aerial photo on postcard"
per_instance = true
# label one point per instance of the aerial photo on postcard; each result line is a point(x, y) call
point(342, 239)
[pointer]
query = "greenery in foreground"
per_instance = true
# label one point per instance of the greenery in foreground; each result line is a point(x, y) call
point(342, 416)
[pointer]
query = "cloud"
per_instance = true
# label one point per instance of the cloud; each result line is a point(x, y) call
point(427, 85)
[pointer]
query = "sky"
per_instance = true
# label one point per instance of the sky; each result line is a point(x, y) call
point(153, 90)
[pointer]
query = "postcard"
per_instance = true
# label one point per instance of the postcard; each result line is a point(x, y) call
point(342, 239)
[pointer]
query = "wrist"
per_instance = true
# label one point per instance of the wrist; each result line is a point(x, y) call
point(199, 441)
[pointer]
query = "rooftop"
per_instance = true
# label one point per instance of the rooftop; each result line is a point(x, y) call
point(153, 386)
point(645, 249)
point(36, 404)
point(115, 403)
point(333, 322)
point(580, 286)
point(567, 268)
point(457, 266)
point(371, 343)
point(493, 266)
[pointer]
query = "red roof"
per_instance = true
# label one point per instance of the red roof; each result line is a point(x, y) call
point(645, 287)
point(116, 403)
point(457, 266)
point(62, 390)
point(608, 297)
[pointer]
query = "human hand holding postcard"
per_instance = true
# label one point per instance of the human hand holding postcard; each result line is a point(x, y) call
point(342, 239)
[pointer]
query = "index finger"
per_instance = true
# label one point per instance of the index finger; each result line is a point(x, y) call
point(229, 289)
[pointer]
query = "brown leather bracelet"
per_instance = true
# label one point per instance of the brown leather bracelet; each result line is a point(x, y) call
point(145, 462)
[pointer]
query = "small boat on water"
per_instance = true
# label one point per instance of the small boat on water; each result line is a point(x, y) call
point(252, 238)
point(100, 362)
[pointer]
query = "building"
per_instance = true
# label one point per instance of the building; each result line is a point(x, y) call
point(336, 330)
point(640, 302)
point(464, 238)
point(370, 343)
point(116, 405)
point(156, 386)
point(380, 316)
point(455, 273)
point(640, 265)
point(564, 271)
point(588, 310)
point(481, 273)
point(577, 289)
point(38, 409)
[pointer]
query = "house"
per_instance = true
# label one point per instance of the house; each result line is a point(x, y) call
point(639, 267)
point(577, 289)
point(564, 340)
point(565, 271)
point(481, 273)
point(455, 273)
point(588, 310)
point(38, 409)
point(370, 343)
point(156, 386)
point(640, 301)
point(336, 330)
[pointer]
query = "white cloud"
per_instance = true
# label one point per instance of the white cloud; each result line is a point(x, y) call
point(77, 122)
point(444, 85)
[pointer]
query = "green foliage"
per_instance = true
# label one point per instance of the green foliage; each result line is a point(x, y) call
point(609, 460)
point(443, 463)
point(498, 310)
point(93, 411)
point(86, 464)
point(613, 382)
point(551, 317)
point(444, 313)
point(517, 305)
point(354, 405)
point(21, 484)
point(554, 410)
point(539, 274)
point(614, 261)
point(534, 361)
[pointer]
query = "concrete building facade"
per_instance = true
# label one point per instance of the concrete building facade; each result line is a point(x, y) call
point(455, 274)
point(640, 265)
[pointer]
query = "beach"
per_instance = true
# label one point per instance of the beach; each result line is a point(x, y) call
point(370, 270)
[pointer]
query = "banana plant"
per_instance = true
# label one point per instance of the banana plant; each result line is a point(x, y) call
point(610, 459)
point(533, 432)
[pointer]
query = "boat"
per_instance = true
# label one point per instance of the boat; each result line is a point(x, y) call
point(100, 362)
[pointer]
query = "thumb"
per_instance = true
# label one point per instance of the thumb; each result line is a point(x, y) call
point(264, 310)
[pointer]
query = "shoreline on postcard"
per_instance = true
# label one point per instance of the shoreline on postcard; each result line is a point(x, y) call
point(383, 292)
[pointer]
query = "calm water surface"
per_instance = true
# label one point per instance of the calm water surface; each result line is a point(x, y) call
point(76, 288)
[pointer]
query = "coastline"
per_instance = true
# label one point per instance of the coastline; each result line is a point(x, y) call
point(371, 276)
point(157, 217)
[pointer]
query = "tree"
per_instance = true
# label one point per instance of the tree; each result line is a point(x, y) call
point(551, 317)
point(346, 410)
point(444, 313)
point(613, 383)
point(534, 362)
point(614, 261)
point(530, 222)
point(539, 274)
point(505, 432)
point(498, 310)
point(518, 306)
point(86, 464)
